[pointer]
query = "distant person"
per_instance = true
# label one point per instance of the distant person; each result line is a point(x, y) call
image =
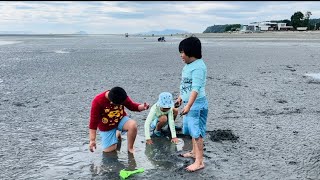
point(193, 96)
point(161, 114)
point(161, 39)
point(108, 114)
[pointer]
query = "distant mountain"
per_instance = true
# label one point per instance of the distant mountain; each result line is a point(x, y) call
point(15, 32)
point(165, 32)
point(81, 32)
point(216, 29)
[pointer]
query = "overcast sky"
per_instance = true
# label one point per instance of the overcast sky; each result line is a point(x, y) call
point(114, 17)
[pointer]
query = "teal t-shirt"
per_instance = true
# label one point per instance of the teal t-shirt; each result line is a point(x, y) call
point(193, 79)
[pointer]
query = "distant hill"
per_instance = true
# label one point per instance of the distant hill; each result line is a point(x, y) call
point(15, 32)
point(216, 29)
point(81, 32)
point(165, 32)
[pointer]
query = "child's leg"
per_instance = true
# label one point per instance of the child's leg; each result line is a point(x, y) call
point(118, 134)
point(190, 153)
point(197, 127)
point(162, 121)
point(130, 126)
point(110, 148)
point(198, 152)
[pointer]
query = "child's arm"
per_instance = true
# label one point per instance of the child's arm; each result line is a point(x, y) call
point(95, 115)
point(147, 123)
point(178, 102)
point(133, 106)
point(192, 98)
point(92, 137)
point(172, 127)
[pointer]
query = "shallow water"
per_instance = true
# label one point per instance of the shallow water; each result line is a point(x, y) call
point(257, 88)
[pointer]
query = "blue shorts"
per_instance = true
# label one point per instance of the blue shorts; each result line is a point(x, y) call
point(194, 123)
point(108, 138)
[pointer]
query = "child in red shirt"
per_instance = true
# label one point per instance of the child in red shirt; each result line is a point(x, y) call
point(108, 115)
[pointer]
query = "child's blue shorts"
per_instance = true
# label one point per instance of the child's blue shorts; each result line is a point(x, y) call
point(194, 123)
point(108, 138)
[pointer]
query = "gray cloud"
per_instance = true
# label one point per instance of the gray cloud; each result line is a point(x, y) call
point(138, 16)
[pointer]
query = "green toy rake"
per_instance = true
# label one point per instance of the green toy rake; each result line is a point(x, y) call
point(124, 174)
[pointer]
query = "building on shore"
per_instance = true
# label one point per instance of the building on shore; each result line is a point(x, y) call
point(265, 26)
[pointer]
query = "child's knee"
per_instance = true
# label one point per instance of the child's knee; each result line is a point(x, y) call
point(110, 148)
point(131, 124)
point(163, 119)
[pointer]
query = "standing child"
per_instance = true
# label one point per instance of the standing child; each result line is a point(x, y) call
point(160, 114)
point(108, 114)
point(193, 96)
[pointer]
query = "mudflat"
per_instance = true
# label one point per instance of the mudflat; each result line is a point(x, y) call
point(263, 120)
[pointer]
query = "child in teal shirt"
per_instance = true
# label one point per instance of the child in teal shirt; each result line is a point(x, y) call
point(193, 96)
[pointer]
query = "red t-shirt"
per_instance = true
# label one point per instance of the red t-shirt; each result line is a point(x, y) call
point(106, 116)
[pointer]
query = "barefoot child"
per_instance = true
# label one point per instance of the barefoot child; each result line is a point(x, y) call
point(160, 114)
point(193, 96)
point(108, 114)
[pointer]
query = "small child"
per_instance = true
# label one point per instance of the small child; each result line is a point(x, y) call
point(160, 114)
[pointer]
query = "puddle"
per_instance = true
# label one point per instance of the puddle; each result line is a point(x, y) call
point(79, 162)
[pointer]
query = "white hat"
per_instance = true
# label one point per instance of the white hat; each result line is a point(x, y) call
point(165, 100)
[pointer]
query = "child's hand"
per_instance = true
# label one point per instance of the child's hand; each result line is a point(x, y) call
point(175, 140)
point(185, 110)
point(143, 106)
point(149, 141)
point(178, 103)
point(92, 145)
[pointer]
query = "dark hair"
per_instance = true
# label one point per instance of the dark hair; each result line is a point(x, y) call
point(191, 47)
point(117, 95)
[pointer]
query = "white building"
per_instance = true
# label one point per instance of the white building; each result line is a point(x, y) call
point(265, 26)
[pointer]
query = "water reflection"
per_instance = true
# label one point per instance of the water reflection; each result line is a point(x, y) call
point(111, 164)
point(163, 153)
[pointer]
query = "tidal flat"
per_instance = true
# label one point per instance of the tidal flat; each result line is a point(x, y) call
point(262, 88)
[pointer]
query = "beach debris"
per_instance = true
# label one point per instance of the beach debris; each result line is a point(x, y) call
point(282, 101)
point(290, 68)
point(126, 173)
point(222, 135)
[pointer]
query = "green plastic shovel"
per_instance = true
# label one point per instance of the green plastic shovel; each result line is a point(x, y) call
point(126, 173)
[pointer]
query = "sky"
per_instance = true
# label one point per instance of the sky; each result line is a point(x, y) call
point(119, 17)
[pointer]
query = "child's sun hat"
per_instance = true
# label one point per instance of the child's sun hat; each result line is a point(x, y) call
point(165, 100)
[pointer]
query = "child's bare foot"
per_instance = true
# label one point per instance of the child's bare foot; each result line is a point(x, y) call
point(187, 155)
point(194, 167)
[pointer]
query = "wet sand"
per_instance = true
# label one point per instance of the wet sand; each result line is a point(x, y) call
point(257, 89)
